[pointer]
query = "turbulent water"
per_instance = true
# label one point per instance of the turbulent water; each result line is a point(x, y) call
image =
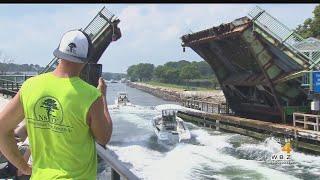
point(209, 154)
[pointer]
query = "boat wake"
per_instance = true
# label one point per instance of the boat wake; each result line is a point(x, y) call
point(208, 154)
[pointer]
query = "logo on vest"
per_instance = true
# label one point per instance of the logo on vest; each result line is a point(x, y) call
point(49, 115)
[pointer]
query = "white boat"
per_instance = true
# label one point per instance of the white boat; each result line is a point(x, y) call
point(123, 80)
point(122, 99)
point(113, 81)
point(168, 127)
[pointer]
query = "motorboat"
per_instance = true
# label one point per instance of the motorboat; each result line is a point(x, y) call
point(113, 81)
point(123, 80)
point(168, 127)
point(122, 99)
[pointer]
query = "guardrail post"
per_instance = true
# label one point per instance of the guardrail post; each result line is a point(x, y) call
point(217, 125)
point(317, 123)
point(305, 126)
point(288, 36)
point(227, 107)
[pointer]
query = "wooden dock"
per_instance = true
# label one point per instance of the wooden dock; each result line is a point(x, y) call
point(303, 139)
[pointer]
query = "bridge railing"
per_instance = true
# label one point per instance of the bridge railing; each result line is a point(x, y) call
point(20, 78)
point(118, 169)
point(98, 23)
point(282, 33)
point(9, 87)
point(10, 84)
point(210, 107)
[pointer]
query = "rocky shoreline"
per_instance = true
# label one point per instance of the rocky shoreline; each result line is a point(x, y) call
point(171, 94)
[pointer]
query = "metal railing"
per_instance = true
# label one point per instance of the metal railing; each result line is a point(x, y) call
point(20, 78)
point(118, 170)
point(210, 107)
point(307, 120)
point(9, 87)
point(283, 34)
point(10, 84)
point(98, 23)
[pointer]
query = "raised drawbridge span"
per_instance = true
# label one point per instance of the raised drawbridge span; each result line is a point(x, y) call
point(260, 64)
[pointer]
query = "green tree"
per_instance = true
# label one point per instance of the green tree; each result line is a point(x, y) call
point(145, 71)
point(132, 73)
point(189, 72)
point(305, 29)
point(178, 64)
point(204, 69)
point(171, 75)
point(310, 27)
point(172, 72)
point(141, 72)
point(315, 26)
point(166, 74)
point(114, 76)
point(159, 73)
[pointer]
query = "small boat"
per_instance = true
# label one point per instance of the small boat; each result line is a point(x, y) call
point(123, 80)
point(122, 99)
point(168, 127)
point(113, 81)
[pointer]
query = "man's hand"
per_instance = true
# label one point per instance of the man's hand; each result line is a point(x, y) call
point(99, 117)
point(102, 86)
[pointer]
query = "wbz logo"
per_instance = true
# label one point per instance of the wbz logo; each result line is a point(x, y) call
point(284, 156)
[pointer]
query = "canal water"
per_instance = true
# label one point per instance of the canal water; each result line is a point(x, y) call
point(209, 154)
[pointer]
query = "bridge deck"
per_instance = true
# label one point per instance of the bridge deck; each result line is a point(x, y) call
point(256, 64)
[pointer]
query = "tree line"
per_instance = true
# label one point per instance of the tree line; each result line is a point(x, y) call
point(311, 26)
point(180, 72)
point(113, 76)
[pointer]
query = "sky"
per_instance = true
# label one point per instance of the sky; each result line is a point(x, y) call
point(150, 32)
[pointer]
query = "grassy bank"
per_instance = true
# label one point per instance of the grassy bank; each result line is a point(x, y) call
point(179, 87)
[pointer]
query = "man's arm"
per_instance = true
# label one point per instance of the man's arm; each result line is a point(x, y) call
point(21, 131)
point(99, 118)
point(10, 117)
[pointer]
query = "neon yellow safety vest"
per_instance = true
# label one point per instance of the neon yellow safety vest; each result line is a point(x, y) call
point(55, 110)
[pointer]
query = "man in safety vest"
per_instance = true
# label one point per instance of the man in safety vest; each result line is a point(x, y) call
point(64, 117)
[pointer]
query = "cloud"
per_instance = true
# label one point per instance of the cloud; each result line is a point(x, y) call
point(32, 37)
point(150, 32)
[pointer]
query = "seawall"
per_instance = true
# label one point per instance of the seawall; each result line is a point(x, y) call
point(162, 93)
point(172, 94)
